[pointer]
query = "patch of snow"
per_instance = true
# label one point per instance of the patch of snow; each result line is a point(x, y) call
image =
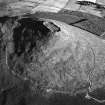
point(94, 1)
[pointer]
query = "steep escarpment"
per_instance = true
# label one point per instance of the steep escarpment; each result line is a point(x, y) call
point(21, 42)
point(25, 50)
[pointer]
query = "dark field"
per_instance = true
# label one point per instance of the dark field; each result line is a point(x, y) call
point(84, 21)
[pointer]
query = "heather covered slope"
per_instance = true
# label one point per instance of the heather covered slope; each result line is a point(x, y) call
point(52, 63)
point(38, 56)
